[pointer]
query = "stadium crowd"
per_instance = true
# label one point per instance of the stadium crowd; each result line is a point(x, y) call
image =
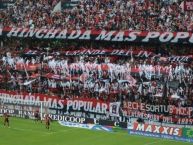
point(38, 68)
point(105, 77)
point(143, 15)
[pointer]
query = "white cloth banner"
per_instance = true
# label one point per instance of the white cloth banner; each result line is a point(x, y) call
point(114, 108)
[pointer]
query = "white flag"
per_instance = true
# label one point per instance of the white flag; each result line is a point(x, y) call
point(114, 108)
point(57, 7)
point(182, 6)
point(29, 82)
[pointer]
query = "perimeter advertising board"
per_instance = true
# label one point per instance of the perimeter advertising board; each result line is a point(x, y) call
point(166, 132)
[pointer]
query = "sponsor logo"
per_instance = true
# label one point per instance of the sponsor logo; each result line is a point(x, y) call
point(156, 135)
point(102, 128)
point(67, 118)
point(77, 125)
point(86, 126)
point(188, 132)
point(158, 129)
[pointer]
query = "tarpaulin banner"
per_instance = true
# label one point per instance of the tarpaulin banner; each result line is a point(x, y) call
point(167, 109)
point(128, 53)
point(156, 117)
point(175, 131)
point(58, 117)
point(95, 106)
point(75, 104)
point(148, 134)
point(114, 52)
point(99, 35)
point(166, 132)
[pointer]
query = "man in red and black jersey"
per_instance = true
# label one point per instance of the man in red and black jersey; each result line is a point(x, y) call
point(37, 116)
point(47, 121)
point(6, 119)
